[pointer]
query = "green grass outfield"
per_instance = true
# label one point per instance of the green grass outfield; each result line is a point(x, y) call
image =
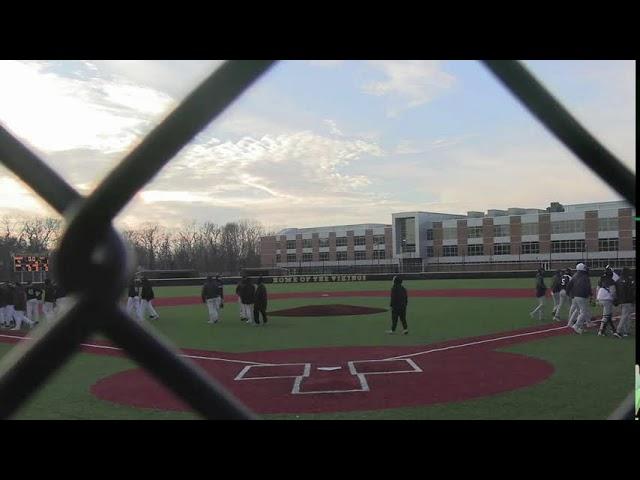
point(592, 375)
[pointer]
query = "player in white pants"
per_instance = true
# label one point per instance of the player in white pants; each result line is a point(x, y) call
point(541, 290)
point(33, 302)
point(147, 296)
point(605, 296)
point(564, 297)
point(626, 291)
point(211, 296)
point(133, 300)
point(19, 307)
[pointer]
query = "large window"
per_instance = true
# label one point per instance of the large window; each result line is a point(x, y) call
point(291, 244)
point(324, 256)
point(502, 249)
point(529, 247)
point(278, 258)
point(429, 251)
point(341, 255)
point(474, 232)
point(567, 246)
point(607, 244)
point(609, 224)
point(529, 228)
point(307, 257)
point(430, 234)
point(501, 231)
point(475, 250)
point(306, 243)
point(567, 226)
point(361, 255)
point(378, 240)
point(341, 241)
point(378, 254)
point(450, 233)
point(450, 251)
point(323, 242)
point(291, 257)
point(359, 240)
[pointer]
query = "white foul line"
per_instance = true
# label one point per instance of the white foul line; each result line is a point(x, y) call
point(400, 357)
point(91, 345)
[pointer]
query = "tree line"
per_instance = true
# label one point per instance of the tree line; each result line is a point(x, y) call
point(204, 247)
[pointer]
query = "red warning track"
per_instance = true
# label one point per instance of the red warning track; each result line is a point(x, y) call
point(445, 293)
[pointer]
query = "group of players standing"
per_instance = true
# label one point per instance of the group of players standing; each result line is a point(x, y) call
point(22, 304)
point(139, 297)
point(252, 300)
point(612, 290)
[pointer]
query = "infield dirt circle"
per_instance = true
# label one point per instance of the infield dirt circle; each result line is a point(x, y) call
point(342, 379)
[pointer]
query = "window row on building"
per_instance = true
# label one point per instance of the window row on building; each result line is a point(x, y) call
point(557, 246)
point(324, 256)
point(340, 242)
point(606, 224)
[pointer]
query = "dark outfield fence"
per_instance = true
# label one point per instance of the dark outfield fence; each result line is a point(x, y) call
point(354, 277)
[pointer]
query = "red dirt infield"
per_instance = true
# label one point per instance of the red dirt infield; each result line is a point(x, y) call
point(337, 379)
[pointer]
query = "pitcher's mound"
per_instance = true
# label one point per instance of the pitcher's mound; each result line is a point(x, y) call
point(325, 311)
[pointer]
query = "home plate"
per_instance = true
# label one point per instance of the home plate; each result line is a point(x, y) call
point(328, 369)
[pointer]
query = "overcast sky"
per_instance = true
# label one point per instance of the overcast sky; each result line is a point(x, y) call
point(318, 142)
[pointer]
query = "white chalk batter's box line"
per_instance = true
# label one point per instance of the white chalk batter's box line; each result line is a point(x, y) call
point(361, 376)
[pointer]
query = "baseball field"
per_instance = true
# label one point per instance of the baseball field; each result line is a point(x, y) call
point(472, 352)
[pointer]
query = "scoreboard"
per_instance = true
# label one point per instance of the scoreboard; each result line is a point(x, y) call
point(30, 263)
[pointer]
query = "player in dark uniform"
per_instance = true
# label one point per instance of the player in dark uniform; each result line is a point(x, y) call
point(34, 295)
point(541, 290)
point(133, 298)
point(49, 299)
point(4, 301)
point(398, 304)
point(147, 296)
point(556, 282)
point(626, 298)
point(564, 296)
point(247, 297)
point(260, 303)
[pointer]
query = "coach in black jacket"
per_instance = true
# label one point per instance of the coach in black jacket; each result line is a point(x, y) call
point(398, 304)
point(260, 303)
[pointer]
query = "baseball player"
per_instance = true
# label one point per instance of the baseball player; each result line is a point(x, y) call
point(211, 295)
point(398, 304)
point(19, 307)
point(541, 289)
point(34, 295)
point(605, 296)
point(4, 292)
point(564, 296)
point(626, 298)
point(238, 290)
point(556, 286)
point(49, 299)
point(147, 296)
point(580, 287)
point(133, 299)
point(247, 297)
point(260, 304)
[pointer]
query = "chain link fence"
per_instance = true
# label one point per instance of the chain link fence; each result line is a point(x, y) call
point(93, 263)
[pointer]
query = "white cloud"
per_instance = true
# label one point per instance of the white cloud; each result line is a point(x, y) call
point(333, 127)
point(412, 83)
point(53, 112)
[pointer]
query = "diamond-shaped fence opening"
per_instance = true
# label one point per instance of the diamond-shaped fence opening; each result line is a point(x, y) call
point(93, 264)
